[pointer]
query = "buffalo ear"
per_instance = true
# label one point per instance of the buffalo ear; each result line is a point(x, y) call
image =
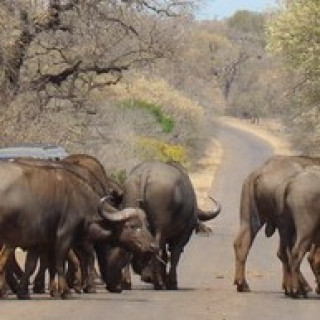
point(96, 232)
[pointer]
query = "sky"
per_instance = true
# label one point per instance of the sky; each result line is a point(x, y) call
point(211, 9)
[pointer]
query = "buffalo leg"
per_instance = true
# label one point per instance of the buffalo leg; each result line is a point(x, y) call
point(158, 275)
point(283, 254)
point(286, 279)
point(74, 276)
point(314, 261)
point(12, 281)
point(176, 248)
point(242, 245)
point(30, 266)
point(62, 248)
point(53, 286)
point(85, 254)
point(96, 276)
point(118, 268)
point(126, 278)
point(18, 272)
point(39, 281)
point(298, 252)
point(5, 254)
point(285, 248)
point(304, 286)
point(158, 269)
point(13, 274)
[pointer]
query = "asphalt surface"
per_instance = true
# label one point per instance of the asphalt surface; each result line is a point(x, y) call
point(205, 271)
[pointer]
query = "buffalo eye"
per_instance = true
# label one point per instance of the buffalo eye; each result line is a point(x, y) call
point(134, 227)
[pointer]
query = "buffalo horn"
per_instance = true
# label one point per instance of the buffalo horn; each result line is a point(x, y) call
point(208, 215)
point(121, 215)
point(114, 214)
point(104, 204)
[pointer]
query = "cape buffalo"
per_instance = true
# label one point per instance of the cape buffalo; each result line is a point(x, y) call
point(259, 207)
point(92, 171)
point(299, 202)
point(168, 198)
point(49, 206)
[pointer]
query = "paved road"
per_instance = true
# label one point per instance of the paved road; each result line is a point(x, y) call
point(206, 269)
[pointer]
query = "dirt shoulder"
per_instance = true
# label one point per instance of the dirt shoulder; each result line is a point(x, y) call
point(203, 177)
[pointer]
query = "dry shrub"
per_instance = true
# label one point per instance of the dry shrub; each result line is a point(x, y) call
point(24, 122)
point(122, 136)
point(113, 134)
point(160, 150)
point(305, 132)
point(187, 114)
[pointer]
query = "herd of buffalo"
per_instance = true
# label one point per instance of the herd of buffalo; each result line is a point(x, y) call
point(68, 216)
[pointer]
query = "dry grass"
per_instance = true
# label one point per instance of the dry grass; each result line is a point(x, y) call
point(188, 115)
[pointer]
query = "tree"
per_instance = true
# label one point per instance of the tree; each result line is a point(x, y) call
point(55, 54)
point(73, 41)
point(245, 44)
point(295, 33)
point(248, 22)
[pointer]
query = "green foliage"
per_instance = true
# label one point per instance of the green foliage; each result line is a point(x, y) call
point(295, 33)
point(156, 149)
point(166, 122)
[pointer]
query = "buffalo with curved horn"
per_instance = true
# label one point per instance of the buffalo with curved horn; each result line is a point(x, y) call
point(166, 194)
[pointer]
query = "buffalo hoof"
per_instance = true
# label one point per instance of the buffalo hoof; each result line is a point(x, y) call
point(54, 293)
point(77, 288)
point(126, 286)
point(286, 292)
point(172, 287)
point(294, 294)
point(23, 295)
point(146, 278)
point(286, 288)
point(159, 286)
point(4, 293)
point(114, 289)
point(65, 293)
point(38, 289)
point(90, 289)
point(242, 286)
point(297, 293)
point(317, 289)
point(304, 292)
point(307, 288)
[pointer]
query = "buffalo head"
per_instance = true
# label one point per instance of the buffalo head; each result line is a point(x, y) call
point(130, 228)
